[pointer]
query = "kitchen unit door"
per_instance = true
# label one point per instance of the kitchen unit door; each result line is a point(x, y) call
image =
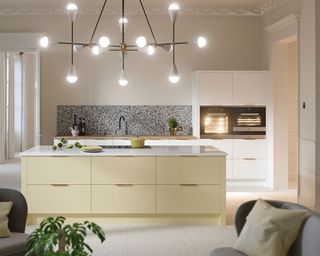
point(249, 88)
point(215, 88)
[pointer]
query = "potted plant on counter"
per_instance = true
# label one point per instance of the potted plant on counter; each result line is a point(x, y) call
point(173, 126)
point(53, 237)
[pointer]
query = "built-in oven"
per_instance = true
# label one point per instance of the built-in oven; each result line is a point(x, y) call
point(232, 122)
point(215, 121)
point(248, 121)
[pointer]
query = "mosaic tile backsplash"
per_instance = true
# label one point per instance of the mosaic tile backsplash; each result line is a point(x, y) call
point(140, 120)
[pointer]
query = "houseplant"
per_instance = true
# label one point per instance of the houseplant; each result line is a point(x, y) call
point(55, 238)
point(173, 125)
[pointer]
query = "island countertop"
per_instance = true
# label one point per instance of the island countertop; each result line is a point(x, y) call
point(39, 151)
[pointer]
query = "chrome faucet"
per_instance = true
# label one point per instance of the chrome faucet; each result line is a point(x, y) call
point(120, 119)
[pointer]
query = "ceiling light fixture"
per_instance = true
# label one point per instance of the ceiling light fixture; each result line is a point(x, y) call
point(141, 44)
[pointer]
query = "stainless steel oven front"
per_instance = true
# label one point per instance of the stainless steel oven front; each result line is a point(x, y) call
point(249, 121)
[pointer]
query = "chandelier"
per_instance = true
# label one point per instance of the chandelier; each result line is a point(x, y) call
point(141, 43)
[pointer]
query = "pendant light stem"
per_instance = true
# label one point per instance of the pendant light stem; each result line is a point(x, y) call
point(174, 43)
point(122, 61)
point(98, 21)
point(72, 42)
point(123, 21)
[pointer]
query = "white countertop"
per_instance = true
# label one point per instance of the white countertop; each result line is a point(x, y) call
point(153, 151)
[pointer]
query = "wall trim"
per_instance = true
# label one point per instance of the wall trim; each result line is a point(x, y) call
point(283, 23)
point(205, 11)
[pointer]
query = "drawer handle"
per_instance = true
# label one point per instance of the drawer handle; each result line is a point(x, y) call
point(59, 185)
point(250, 158)
point(189, 185)
point(124, 185)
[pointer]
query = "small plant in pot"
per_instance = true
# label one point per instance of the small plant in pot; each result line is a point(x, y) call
point(173, 126)
point(55, 238)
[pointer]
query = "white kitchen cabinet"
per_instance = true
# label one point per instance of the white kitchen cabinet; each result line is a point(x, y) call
point(224, 145)
point(215, 88)
point(249, 88)
point(253, 169)
point(249, 148)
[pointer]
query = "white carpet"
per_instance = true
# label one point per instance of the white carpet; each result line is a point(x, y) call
point(161, 240)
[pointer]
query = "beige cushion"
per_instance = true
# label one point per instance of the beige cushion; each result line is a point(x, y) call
point(269, 231)
point(5, 208)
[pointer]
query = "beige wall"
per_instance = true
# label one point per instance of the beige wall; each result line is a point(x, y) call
point(234, 43)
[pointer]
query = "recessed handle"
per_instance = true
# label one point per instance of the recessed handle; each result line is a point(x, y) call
point(124, 185)
point(60, 185)
point(250, 158)
point(188, 185)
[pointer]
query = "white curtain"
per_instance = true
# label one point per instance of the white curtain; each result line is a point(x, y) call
point(17, 104)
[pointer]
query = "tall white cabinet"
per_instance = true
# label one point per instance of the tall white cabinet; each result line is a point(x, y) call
point(247, 161)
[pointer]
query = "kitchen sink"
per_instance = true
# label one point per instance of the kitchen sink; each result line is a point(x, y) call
point(120, 147)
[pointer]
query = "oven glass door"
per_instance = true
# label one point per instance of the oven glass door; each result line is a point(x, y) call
point(216, 123)
point(249, 120)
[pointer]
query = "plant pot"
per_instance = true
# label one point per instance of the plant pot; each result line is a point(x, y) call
point(173, 131)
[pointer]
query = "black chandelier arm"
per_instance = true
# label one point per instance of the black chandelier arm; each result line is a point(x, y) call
point(74, 43)
point(176, 43)
point(98, 21)
point(149, 24)
point(118, 50)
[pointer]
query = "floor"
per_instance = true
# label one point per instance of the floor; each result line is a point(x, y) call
point(10, 178)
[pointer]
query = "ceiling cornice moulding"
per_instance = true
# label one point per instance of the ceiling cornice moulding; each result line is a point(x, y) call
point(201, 11)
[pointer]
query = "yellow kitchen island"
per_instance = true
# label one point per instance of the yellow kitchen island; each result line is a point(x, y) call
point(161, 184)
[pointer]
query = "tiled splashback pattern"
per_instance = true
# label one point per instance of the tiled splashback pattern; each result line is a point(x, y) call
point(140, 120)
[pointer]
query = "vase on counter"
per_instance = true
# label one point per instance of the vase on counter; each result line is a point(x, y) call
point(74, 131)
point(173, 131)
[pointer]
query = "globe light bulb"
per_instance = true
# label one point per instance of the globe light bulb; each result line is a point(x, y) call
point(174, 75)
point(104, 42)
point(95, 50)
point(72, 11)
point(44, 42)
point(125, 21)
point(141, 41)
point(151, 50)
point(201, 42)
point(72, 76)
point(173, 11)
point(123, 80)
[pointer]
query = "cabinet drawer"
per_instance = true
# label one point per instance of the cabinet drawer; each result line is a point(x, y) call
point(224, 145)
point(249, 169)
point(125, 199)
point(59, 199)
point(56, 170)
point(178, 199)
point(188, 170)
point(123, 170)
point(249, 148)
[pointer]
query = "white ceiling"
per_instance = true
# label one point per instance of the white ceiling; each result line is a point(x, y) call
point(92, 7)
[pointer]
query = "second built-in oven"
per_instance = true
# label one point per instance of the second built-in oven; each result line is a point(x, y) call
point(249, 121)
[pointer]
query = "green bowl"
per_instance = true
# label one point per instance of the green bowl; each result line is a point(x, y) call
point(137, 143)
